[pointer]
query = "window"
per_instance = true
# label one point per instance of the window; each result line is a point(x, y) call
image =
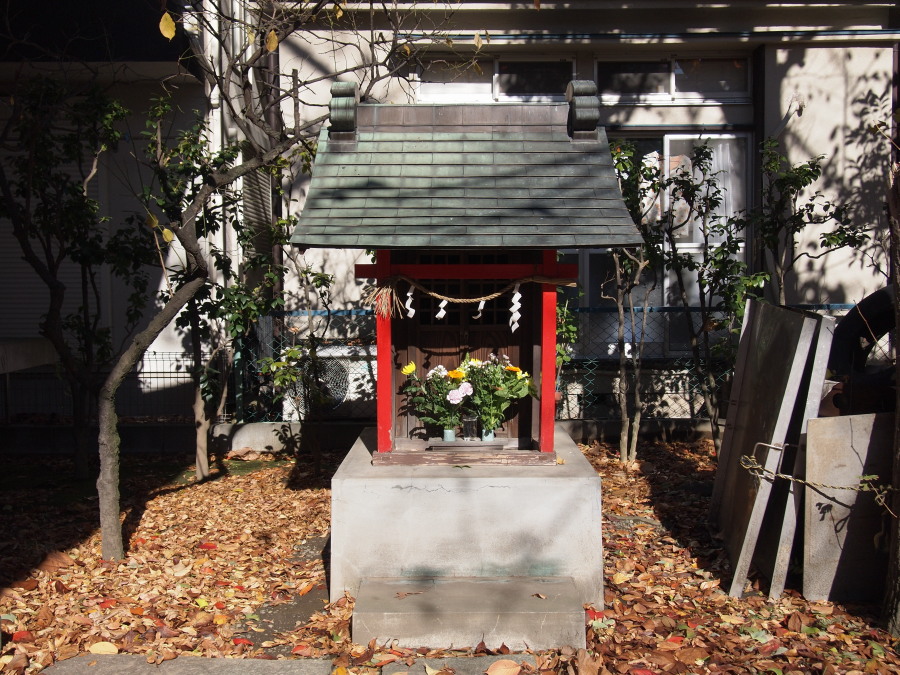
point(729, 166)
point(489, 80)
point(676, 79)
point(666, 332)
point(454, 81)
point(532, 80)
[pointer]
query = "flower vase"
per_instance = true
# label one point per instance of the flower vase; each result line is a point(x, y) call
point(487, 435)
point(470, 428)
point(449, 435)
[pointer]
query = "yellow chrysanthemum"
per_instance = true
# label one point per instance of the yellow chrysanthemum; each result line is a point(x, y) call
point(514, 369)
point(409, 368)
point(456, 374)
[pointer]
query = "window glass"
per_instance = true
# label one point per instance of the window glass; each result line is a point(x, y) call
point(533, 78)
point(729, 169)
point(454, 72)
point(711, 76)
point(633, 77)
point(451, 81)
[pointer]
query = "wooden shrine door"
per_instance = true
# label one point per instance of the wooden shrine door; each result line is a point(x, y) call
point(429, 341)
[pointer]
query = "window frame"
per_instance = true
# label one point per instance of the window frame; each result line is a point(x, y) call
point(673, 96)
point(457, 92)
point(690, 246)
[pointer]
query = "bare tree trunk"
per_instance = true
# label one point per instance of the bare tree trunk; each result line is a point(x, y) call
point(622, 384)
point(108, 439)
point(891, 608)
point(200, 409)
point(637, 360)
point(202, 423)
point(622, 389)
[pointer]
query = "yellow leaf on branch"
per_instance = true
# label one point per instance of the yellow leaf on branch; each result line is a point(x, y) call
point(167, 26)
point(271, 41)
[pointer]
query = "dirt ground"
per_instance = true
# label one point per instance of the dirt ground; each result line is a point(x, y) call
point(233, 566)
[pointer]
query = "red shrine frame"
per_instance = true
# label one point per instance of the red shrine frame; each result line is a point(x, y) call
point(384, 385)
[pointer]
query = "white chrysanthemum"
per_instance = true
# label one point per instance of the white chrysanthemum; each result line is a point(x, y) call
point(437, 371)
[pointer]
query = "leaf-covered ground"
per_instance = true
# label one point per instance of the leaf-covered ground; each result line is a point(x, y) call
point(206, 559)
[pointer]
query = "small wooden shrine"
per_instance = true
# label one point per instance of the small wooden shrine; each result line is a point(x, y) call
point(466, 207)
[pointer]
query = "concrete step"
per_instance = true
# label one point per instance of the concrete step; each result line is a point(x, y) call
point(443, 612)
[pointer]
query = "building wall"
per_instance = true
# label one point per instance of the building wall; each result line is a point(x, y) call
point(119, 179)
point(843, 90)
point(837, 61)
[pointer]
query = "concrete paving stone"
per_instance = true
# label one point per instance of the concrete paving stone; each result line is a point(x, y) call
point(121, 664)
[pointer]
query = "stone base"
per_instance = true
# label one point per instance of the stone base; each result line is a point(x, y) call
point(478, 520)
point(522, 613)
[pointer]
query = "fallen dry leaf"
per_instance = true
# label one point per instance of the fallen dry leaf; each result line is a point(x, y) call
point(503, 667)
point(103, 648)
point(403, 594)
point(663, 611)
point(55, 561)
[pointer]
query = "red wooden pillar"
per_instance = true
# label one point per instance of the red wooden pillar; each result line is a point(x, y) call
point(384, 383)
point(548, 355)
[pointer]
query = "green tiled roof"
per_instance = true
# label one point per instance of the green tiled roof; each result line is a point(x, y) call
point(451, 176)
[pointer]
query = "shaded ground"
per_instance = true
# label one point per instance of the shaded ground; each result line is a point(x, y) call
point(232, 567)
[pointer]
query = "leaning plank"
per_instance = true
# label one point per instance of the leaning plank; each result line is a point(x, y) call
point(772, 381)
point(771, 456)
point(814, 383)
point(779, 342)
point(734, 401)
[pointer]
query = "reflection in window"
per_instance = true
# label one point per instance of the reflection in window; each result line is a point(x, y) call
point(633, 77)
point(711, 76)
point(533, 78)
point(662, 81)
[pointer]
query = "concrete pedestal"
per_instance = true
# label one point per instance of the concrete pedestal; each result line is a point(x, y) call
point(483, 522)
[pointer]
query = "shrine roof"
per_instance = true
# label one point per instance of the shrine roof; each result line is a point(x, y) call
point(463, 176)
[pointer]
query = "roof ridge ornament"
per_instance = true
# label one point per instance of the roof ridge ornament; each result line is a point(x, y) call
point(584, 110)
point(342, 109)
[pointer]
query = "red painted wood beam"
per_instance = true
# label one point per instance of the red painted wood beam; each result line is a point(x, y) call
point(548, 356)
point(384, 380)
point(505, 272)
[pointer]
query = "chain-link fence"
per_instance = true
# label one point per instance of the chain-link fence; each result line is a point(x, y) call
point(338, 381)
point(160, 387)
point(346, 365)
point(670, 386)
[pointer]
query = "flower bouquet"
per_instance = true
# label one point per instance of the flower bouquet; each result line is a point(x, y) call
point(496, 383)
point(484, 389)
point(438, 398)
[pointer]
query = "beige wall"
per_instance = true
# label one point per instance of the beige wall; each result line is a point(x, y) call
point(843, 90)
